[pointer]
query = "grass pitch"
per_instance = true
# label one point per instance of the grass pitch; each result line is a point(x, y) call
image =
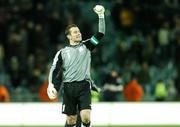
point(105, 126)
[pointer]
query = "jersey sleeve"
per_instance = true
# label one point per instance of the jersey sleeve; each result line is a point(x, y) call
point(93, 41)
point(55, 74)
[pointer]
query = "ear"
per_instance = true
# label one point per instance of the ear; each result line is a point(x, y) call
point(68, 36)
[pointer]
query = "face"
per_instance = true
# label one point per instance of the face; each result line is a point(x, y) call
point(75, 34)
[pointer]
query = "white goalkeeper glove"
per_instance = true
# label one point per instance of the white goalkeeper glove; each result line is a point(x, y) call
point(99, 10)
point(51, 91)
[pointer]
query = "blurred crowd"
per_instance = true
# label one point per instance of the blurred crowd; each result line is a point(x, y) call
point(138, 60)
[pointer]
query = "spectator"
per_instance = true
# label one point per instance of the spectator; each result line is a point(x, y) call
point(112, 87)
point(145, 79)
point(164, 41)
point(4, 76)
point(133, 91)
point(4, 94)
point(172, 92)
point(161, 92)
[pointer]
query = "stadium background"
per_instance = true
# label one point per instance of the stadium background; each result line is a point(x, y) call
point(139, 53)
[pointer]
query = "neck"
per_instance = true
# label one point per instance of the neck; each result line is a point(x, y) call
point(74, 43)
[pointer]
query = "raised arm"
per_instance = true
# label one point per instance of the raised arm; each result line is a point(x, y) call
point(94, 40)
point(99, 10)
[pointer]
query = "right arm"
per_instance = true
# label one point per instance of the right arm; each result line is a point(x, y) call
point(55, 76)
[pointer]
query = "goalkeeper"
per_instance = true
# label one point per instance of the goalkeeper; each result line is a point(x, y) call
point(71, 67)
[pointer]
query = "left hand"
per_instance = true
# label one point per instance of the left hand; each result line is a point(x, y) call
point(99, 10)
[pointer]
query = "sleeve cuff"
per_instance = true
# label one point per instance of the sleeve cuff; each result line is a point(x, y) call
point(94, 40)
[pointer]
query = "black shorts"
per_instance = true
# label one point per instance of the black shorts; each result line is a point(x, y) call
point(76, 96)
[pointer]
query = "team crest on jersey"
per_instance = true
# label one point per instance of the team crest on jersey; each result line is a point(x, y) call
point(67, 53)
point(81, 49)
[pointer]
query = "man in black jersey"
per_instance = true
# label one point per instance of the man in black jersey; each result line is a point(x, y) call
point(71, 66)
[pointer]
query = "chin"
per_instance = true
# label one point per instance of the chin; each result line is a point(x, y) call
point(77, 40)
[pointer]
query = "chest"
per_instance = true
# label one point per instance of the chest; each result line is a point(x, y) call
point(72, 54)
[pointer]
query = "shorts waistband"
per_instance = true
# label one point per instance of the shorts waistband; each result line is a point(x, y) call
point(75, 82)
